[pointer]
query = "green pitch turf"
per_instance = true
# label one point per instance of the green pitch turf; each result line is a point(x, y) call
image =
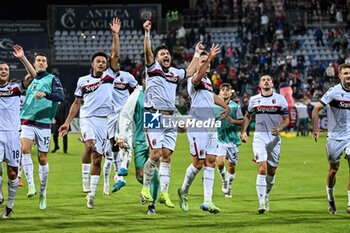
point(297, 202)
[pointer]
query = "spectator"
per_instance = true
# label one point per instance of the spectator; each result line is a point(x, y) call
point(318, 37)
point(302, 117)
point(330, 71)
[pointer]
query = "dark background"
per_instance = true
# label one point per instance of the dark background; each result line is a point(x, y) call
point(37, 10)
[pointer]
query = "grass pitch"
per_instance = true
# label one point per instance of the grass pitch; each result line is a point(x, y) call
point(298, 200)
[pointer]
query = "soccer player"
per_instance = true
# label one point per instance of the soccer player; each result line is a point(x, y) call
point(271, 110)
point(37, 114)
point(10, 147)
point(337, 100)
point(228, 139)
point(131, 134)
point(95, 90)
point(203, 141)
point(160, 94)
point(122, 83)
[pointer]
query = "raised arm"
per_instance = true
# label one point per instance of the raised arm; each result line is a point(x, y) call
point(191, 69)
point(19, 53)
point(214, 50)
point(115, 56)
point(149, 57)
point(316, 130)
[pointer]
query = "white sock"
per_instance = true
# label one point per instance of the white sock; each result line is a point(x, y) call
point(28, 169)
point(107, 170)
point(261, 187)
point(85, 170)
point(330, 193)
point(191, 173)
point(348, 198)
point(164, 176)
point(148, 171)
point(117, 160)
point(93, 184)
point(231, 178)
point(12, 189)
point(222, 173)
point(129, 157)
point(20, 168)
point(43, 177)
point(124, 158)
point(270, 180)
point(208, 183)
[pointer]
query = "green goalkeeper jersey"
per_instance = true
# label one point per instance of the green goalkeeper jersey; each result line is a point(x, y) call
point(139, 135)
point(228, 132)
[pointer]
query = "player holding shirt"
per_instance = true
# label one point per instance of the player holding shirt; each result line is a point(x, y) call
point(271, 110)
point(337, 100)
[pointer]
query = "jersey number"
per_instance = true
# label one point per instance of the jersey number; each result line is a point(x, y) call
point(15, 154)
point(46, 140)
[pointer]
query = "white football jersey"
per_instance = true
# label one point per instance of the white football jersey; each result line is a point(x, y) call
point(161, 87)
point(10, 96)
point(121, 85)
point(96, 94)
point(202, 99)
point(268, 112)
point(338, 112)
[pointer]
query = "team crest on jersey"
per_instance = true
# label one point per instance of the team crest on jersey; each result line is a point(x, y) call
point(258, 101)
point(121, 79)
point(201, 152)
point(342, 94)
point(34, 87)
point(273, 101)
point(154, 142)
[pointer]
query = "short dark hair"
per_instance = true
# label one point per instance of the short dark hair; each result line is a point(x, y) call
point(99, 53)
point(39, 54)
point(2, 62)
point(160, 47)
point(343, 66)
point(265, 75)
point(225, 85)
